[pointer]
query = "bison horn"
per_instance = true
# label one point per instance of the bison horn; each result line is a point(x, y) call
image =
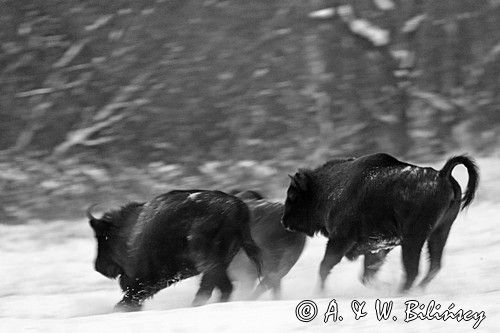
point(89, 214)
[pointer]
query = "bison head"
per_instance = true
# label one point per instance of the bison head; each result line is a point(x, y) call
point(110, 247)
point(299, 214)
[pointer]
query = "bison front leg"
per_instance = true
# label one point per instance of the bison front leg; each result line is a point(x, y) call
point(335, 250)
point(136, 292)
point(128, 304)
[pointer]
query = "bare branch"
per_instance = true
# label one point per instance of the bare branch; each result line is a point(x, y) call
point(40, 91)
point(43, 91)
point(384, 4)
point(317, 69)
point(122, 95)
point(71, 53)
point(22, 60)
point(34, 125)
point(492, 55)
point(99, 141)
point(322, 13)
point(436, 100)
point(363, 28)
point(412, 24)
point(99, 22)
point(80, 136)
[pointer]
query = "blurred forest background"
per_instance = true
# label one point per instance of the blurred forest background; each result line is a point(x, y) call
point(116, 100)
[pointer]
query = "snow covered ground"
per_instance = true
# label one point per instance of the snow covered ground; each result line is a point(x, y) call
point(47, 284)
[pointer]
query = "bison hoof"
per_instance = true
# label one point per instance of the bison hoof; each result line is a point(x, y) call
point(375, 283)
point(367, 281)
point(200, 300)
point(404, 289)
point(127, 307)
point(423, 286)
point(320, 290)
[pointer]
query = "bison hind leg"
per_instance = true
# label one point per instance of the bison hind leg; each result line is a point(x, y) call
point(435, 244)
point(204, 293)
point(411, 249)
point(225, 286)
point(270, 281)
point(437, 241)
point(216, 277)
point(372, 264)
point(276, 290)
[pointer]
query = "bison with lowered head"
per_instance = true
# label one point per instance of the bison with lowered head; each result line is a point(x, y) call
point(179, 234)
point(368, 205)
point(280, 248)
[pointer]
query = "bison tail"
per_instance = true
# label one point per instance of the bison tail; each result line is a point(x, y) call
point(249, 247)
point(472, 170)
point(253, 252)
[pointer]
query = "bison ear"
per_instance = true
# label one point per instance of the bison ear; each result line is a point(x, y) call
point(300, 181)
point(293, 182)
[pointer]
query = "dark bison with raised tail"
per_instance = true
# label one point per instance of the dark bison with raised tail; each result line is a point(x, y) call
point(368, 205)
point(152, 245)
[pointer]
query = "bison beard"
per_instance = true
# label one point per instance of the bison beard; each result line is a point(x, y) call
point(172, 237)
point(368, 205)
point(280, 248)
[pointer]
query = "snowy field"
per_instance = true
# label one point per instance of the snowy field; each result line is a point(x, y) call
point(47, 284)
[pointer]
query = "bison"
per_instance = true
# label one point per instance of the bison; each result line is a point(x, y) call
point(179, 234)
point(247, 195)
point(368, 205)
point(280, 248)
